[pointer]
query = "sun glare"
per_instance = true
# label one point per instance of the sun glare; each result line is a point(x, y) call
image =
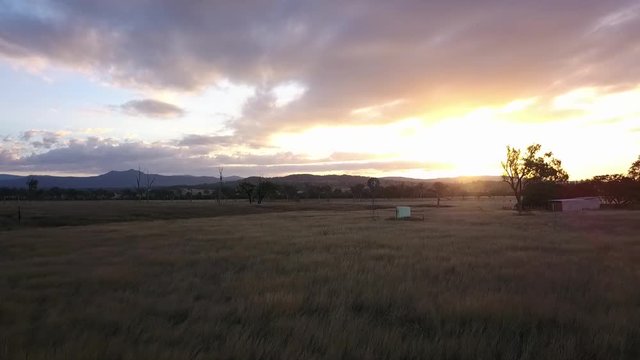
point(473, 143)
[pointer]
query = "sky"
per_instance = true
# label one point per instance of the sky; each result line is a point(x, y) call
point(418, 88)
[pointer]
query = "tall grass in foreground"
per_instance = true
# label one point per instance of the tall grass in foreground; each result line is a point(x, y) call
point(468, 283)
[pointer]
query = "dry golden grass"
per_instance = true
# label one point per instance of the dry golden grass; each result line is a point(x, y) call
point(470, 282)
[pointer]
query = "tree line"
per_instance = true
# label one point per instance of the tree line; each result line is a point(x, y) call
point(530, 176)
point(258, 190)
point(535, 178)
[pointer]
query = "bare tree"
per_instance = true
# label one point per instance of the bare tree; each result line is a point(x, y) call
point(139, 183)
point(220, 185)
point(373, 184)
point(149, 180)
point(420, 190)
point(144, 182)
point(520, 170)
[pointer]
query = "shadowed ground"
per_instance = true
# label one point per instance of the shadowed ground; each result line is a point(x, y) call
point(73, 213)
point(470, 282)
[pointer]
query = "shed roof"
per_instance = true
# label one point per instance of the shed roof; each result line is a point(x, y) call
point(591, 198)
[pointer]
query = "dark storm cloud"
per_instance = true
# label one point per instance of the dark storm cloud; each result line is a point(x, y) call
point(151, 108)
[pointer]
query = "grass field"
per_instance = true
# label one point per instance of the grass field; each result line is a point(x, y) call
point(472, 281)
point(65, 213)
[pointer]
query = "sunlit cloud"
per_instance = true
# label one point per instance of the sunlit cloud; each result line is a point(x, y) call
point(618, 18)
point(600, 103)
point(436, 88)
point(519, 105)
point(475, 142)
point(287, 93)
point(376, 111)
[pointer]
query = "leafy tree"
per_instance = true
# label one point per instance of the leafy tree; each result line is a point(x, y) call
point(537, 194)
point(634, 170)
point(439, 188)
point(32, 187)
point(290, 191)
point(616, 189)
point(324, 191)
point(311, 191)
point(265, 188)
point(373, 184)
point(248, 189)
point(356, 190)
point(520, 170)
point(32, 184)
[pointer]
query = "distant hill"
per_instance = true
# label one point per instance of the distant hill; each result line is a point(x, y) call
point(127, 179)
point(349, 180)
point(4, 177)
point(110, 180)
point(460, 179)
point(333, 180)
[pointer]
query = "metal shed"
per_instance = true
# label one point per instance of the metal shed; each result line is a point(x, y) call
point(575, 204)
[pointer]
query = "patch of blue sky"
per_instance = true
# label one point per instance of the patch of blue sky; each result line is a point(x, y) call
point(53, 100)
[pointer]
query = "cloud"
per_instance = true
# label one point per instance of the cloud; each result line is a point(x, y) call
point(618, 18)
point(320, 64)
point(151, 108)
point(6, 156)
point(95, 155)
point(376, 111)
point(204, 140)
point(359, 55)
point(42, 138)
point(287, 93)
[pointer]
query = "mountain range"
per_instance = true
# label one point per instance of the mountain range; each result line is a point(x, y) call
point(110, 180)
point(127, 179)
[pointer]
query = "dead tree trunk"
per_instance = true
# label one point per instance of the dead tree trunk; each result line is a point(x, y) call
point(220, 186)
